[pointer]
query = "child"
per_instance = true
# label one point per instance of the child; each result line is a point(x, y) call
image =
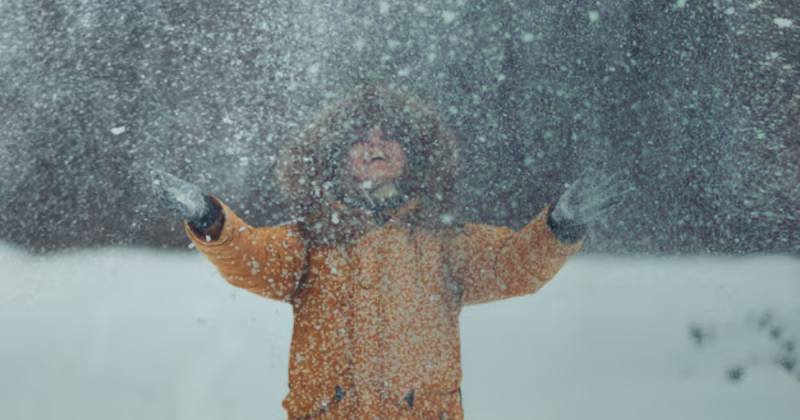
point(377, 268)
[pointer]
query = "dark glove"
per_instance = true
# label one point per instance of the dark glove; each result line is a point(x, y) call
point(185, 200)
point(592, 196)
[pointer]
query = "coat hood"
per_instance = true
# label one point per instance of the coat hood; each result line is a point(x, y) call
point(311, 174)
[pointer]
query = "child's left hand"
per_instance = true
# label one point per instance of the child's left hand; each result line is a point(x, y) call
point(596, 193)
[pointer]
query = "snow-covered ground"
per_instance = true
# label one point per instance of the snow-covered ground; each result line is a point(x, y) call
point(138, 334)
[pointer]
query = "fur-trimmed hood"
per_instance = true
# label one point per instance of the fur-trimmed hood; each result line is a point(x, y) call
point(333, 209)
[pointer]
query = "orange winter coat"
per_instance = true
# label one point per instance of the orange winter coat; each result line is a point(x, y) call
point(376, 332)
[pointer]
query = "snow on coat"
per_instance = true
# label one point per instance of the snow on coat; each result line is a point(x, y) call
point(376, 331)
point(377, 292)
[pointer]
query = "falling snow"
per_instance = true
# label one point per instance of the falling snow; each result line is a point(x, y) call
point(691, 104)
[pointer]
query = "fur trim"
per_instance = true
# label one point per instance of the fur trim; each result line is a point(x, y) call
point(310, 166)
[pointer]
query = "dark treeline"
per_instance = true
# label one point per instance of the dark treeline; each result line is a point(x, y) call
point(697, 102)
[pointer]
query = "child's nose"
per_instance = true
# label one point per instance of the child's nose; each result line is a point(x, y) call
point(376, 139)
point(376, 143)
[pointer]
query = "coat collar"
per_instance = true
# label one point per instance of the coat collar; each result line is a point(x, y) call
point(378, 213)
point(340, 222)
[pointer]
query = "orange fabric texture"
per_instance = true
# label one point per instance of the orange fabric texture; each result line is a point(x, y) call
point(376, 332)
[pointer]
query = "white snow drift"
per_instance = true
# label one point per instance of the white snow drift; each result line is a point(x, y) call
point(135, 334)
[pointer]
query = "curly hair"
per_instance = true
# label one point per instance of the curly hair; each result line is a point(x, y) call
point(310, 167)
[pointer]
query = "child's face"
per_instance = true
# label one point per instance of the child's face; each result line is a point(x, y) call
point(377, 160)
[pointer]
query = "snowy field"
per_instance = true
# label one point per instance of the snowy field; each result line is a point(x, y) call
point(137, 334)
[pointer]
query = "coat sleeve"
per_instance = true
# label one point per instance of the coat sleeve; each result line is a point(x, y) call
point(494, 263)
point(268, 261)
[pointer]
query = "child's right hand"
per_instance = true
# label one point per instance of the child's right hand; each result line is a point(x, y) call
point(594, 195)
point(184, 199)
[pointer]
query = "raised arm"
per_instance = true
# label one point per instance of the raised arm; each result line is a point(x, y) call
point(268, 261)
point(494, 263)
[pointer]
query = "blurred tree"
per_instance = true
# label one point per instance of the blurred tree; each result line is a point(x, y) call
point(109, 89)
point(696, 101)
point(765, 159)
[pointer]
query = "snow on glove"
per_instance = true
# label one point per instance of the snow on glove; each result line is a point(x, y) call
point(185, 200)
point(592, 196)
